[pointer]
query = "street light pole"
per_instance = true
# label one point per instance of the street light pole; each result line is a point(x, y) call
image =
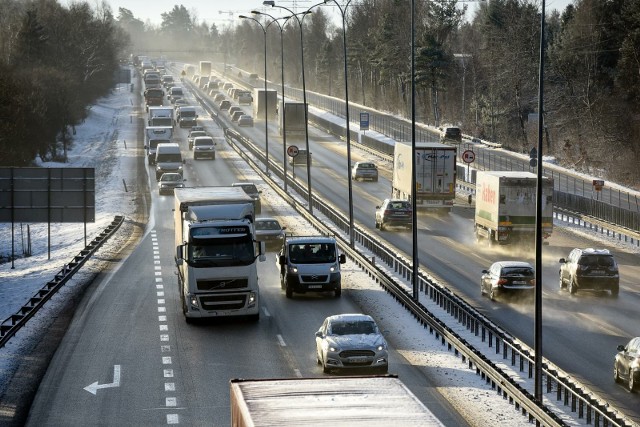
point(284, 116)
point(304, 94)
point(266, 104)
point(348, 120)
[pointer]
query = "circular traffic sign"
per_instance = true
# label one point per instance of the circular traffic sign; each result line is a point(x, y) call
point(292, 150)
point(468, 156)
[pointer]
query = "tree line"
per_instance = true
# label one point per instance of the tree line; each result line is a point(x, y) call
point(55, 62)
point(481, 74)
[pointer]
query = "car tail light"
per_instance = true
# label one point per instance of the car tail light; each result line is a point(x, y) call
point(502, 282)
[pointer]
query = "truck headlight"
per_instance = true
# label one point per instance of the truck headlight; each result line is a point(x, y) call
point(251, 301)
point(180, 167)
point(333, 268)
point(293, 269)
point(193, 300)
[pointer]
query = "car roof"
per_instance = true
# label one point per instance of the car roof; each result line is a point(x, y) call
point(513, 264)
point(592, 251)
point(202, 138)
point(266, 218)
point(350, 317)
point(310, 239)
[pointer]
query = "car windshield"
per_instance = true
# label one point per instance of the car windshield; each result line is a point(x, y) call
point(361, 327)
point(312, 253)
point(399, 206)
point(596, 261)
point(197, 133)
point(366, 166)
point(267, 225)
point(187, 113)
point(249, 189)
point(171, 177)
point(169, 158)
point(517, 271)
point(205, 141)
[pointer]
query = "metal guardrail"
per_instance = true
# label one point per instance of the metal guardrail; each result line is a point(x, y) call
point(13, 323)
point(568, 392)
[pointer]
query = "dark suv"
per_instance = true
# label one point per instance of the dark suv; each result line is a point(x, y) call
point(394, 213)
point(594, 269)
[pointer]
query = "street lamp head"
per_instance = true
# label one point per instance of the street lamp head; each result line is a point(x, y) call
point(269, 3)
point(243, 17)
point(256, 12)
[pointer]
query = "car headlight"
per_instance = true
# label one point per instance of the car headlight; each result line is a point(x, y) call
point(180, 167)
point(333, 268)
point(333, 349)
point(381, 347)
point(293, 269)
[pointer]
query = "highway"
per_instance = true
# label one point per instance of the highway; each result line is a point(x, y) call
point(132, 325)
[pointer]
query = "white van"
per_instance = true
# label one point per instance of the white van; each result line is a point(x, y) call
point(168, 159)
point(155, 135)
point(310, 264)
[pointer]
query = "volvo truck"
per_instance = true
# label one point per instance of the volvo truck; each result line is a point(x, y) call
point(217, 252)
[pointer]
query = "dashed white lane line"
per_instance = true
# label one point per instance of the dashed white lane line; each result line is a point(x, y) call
point(281, 340)
point(170, 401)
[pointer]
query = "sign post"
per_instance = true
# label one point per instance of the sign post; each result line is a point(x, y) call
point(364, 121)
point(292, 151)
point(468, 156)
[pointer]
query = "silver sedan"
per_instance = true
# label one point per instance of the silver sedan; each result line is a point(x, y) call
point(351, 342)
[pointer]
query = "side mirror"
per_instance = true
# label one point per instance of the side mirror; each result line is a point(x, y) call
point(562, 261)
point(342, 258)
point(319, 334)
point(146, 147)
point(485, 271)
point(180, 252)
point(282, 260)
point(621, 347)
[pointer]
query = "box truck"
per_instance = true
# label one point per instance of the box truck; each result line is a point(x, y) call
point(293, 118)
point(506, 206)
point(155, 135)
point(205, 68)
point(217, 252)
point(259, 102)
point(435, 165)
point(356, 401)
point(160, 116)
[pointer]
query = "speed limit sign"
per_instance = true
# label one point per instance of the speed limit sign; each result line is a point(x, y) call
point(292, 150)
point(468, 156)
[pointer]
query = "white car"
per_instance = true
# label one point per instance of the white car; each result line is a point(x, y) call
point(351, 342)
point(170, 181)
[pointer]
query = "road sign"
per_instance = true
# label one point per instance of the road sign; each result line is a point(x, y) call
point(364, 121)
point(468, 156)
point(598, 184)
point(292, 150)
point(533, 154)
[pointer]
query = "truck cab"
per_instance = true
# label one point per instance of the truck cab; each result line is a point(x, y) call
point(310, 264)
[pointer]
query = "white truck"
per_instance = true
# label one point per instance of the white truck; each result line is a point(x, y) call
point(435, 175)
point(217, 252)
point(260, 100)
point(506, 206)
point(205, 68)
point(292, 116)
point(160, 116)
point(355, 401)
point(155, 135)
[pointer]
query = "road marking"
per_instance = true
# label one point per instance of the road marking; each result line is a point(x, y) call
point(172, 419)
point(265, 311)
point(165, 348)
point(164, 327)
point(168, 373)
point(297, 373)
point(164, 337)
point(161, 301)
point(162, 309)
point(281, 340)
point(93, 388)
point(160, 293)
point(171, 401)
point(166, 360)
point(169, 386)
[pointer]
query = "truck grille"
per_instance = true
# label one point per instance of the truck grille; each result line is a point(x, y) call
point(223, 302)
point(221, 284)
point(314, 278)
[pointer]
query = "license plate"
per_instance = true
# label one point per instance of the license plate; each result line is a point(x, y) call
point(315, 286)
point(358, 359)
point(597, 272)
point(519, 282)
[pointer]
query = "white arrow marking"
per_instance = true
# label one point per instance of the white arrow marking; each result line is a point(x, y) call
point(93, 388)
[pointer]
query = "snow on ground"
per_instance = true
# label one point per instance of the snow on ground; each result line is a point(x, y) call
point(100, 142)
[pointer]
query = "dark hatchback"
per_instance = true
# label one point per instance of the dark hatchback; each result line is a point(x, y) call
point(394, 213)
point(508, 277)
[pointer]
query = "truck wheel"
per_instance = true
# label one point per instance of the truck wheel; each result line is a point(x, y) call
point(482, 292)
point(615, 291)
point(631, 384)
point(616, 374)
point(377, 225)
point(288, 291)
point(381, 226)
point(338, 292)
point(562, 284)
point(492, 295)
point(254, 317)
point(326, 369)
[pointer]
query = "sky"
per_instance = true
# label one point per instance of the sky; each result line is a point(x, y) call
point(224, 13)
point(101, 142)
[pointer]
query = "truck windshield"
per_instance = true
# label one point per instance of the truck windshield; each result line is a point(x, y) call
point(153, 143)
point(312, 253)
point(222, 252)
point(169, 158)
point(187, 113)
